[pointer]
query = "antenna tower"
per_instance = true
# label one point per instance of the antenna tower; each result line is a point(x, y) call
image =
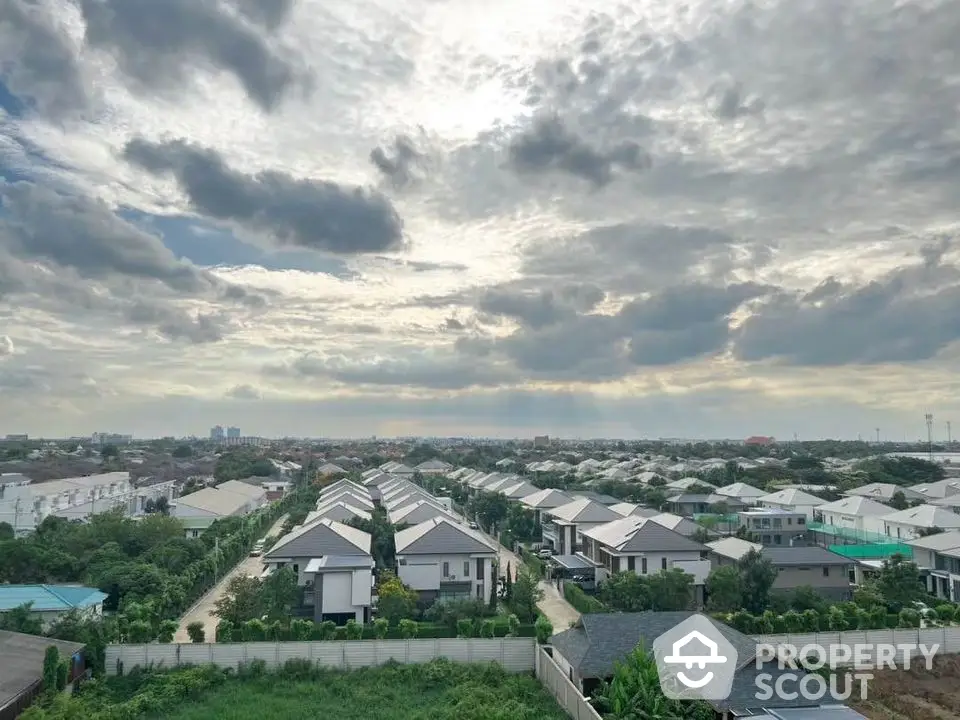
point(878, 435)
point(949, 434)
point(929, 418)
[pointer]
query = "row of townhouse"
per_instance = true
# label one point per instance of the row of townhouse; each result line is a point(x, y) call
point(437, 553)
point(24, 504)
point(593, 536)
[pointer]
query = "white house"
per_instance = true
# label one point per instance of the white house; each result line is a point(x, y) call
point(792, 500)
point(563, 526)
point(543, 500)
point(884, 492)
point(741, 491)
point(938, 490)
point(344, 484)
point(940, 555)
point(856, 513)
point(334, 565)
point(643, 546)
point(445, 560)
point(198, 511)
point(434, 467)
point(419, 511)
point(339, 510)
point(906, 524)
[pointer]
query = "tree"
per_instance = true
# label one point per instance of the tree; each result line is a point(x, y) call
point(182, 451)
point(634, 692)
point(521, 523)
point(671, 590)
point(6, 531)
point(899, 583)
point(109, 451)
point(279, 593)
point(899, 501)
point(241, 602)
point(526, 594)
point(723, 589)
point(626, 592)
point(196, 633)
point(21, 619)
point(490, 509)
point(757, 576)
point(168, 628)
point(926, 532)
point(51, 658)
point(395, 601)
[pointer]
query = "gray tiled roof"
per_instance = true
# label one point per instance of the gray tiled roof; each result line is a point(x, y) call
point(323, 537)
point(601, 640)
point(440, 536)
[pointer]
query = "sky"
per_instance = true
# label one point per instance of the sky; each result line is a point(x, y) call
point(502, 218)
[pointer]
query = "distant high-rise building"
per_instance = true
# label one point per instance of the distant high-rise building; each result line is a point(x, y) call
point(216, 433)
point(233, 432)
point(541, 441)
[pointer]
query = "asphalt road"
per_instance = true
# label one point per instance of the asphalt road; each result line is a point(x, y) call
point(202, 610)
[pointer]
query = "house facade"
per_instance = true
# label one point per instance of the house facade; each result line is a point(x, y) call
point(445, 560)
point(563, 527)
point(775, 526)
point(50, 603)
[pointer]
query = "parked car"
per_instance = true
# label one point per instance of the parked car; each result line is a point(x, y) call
point(474, 526)
point(545, 553)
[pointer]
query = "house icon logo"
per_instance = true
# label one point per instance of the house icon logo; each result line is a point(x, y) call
point(695, 661)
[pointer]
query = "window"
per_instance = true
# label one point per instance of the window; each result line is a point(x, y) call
point(296, 568)
point(632, 563)
point(643, 565)
point(826, 571)
point(479, 568)
point(801, 521)
point(446, 569)
point(663, 563)
point(765, 540)
point(777, 539)
point(466, 569)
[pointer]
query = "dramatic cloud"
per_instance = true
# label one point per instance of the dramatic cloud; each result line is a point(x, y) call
point(6, 346)
point(37, 62)
point(308, 213)
point(909, 314)
point(160, 43)
point(702, 216)
point(550, 146)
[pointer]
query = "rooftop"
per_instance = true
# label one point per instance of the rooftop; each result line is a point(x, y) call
point(49, 598)
point(21, 661)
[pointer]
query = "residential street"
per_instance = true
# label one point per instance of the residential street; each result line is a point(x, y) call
point(558, 611)
point(204, 607)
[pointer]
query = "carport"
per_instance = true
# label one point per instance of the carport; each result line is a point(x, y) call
point(574, 567)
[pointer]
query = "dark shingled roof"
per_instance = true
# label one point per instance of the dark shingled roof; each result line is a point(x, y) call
point(600, 640)
point(805, 555)
point(21, 661)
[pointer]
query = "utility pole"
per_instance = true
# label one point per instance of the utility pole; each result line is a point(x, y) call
point(929, 418)
point(16, 516)
point(878, 435)
point(216, 559)
point(949, 434)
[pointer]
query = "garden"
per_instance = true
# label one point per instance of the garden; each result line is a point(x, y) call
point(440, 690)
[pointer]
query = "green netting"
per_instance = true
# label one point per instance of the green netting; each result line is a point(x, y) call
point(862, 537)
point(873, 551)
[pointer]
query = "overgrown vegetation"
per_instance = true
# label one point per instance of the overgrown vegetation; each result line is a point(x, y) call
point(440, 690)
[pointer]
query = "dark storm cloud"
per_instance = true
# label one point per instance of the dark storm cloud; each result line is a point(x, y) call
point(160, 43)
point(402, 163)
point(84, 234)
point(546, 307)
point(37, 61)
point(550, 146)
point(314, 214)
point(908, 315)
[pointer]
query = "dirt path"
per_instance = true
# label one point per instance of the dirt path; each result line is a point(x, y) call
point(202, 610)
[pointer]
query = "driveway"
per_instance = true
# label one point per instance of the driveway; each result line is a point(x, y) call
point(559, 612)
point(202, 610)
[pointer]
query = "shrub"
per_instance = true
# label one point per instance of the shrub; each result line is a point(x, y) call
point(168, 629)
point(196, 633)
point(380, 628)
point(946, 613)
point(328, 630)
point(582, 602)
point(544, 629)
point(908, 618)
point(487, 628)
point(513, 625)
point(464, 628)
point(409, 629)
point(353, 630)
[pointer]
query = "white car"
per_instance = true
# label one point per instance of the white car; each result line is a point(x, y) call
point(544, 553)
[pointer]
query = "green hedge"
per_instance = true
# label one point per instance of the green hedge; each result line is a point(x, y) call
point(308, 630)
point(533, 562)
point(581, 601)
point(838, 618)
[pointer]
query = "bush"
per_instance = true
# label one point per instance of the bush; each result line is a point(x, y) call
point(409, 629)
point(544, 629)
point(582, 602)
point(196, 633)
point(513, 625)
point(487, 628)
point(464, 628)
point(380, 628)
point(946, 613)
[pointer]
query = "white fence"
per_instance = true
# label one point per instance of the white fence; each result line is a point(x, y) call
point(559, 685)
point(947, 638)
point(514, 654)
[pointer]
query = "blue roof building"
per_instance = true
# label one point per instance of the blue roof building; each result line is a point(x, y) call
point(50, 598)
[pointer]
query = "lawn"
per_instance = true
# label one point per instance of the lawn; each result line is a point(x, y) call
point(439, 690)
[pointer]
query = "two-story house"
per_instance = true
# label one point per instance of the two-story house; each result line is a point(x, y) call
point(562, 527)
point(445, 560)
point(939, 556)
point(641, 545)
point(744, 492)
point(857, 512)
point(907, 524)
point(776, 527)
point(792, 500)
point(884, 492)
point(544, 500)
point(687, 504)
point(334, 566)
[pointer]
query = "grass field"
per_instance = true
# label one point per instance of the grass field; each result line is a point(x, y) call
point(439, 690)
point(402, 693)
